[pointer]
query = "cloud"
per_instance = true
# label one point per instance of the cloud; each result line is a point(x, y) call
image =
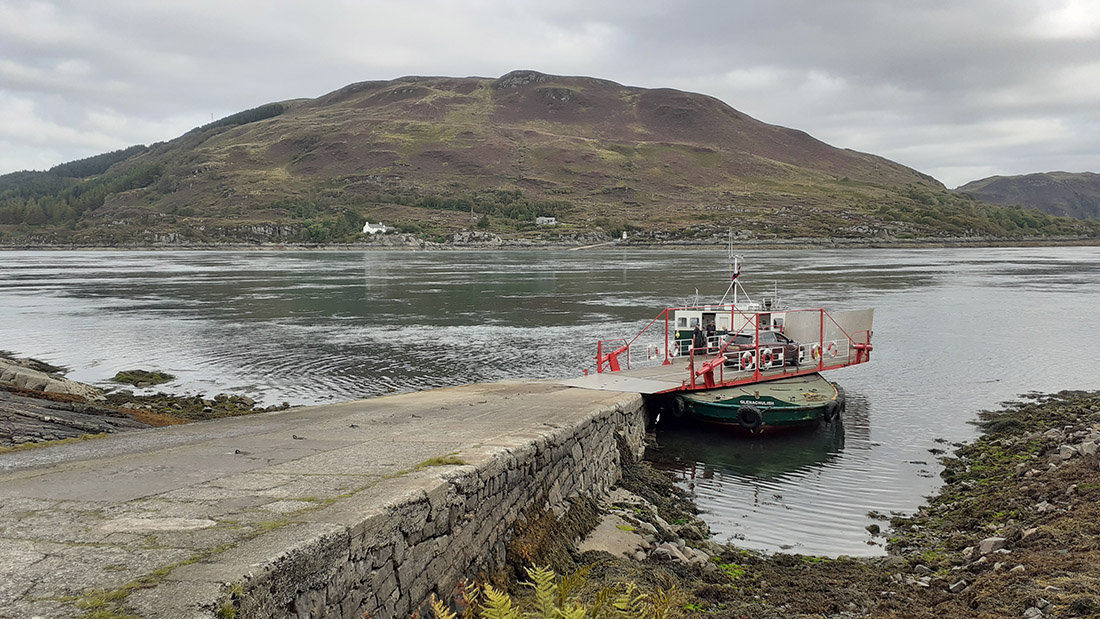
point(942, 86)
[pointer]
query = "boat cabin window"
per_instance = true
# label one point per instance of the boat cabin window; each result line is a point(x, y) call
point(681, 322)
point(694, 322)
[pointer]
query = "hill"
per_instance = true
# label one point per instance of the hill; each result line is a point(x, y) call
point(1058, 193)
point(433, 156)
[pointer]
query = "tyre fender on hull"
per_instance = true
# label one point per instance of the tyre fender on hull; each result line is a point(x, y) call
point(841, 399)
point(679, 409)
point(836, 407)
point(749, 417)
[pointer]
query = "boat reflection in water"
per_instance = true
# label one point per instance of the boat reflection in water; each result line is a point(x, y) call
point(695, 451)
point(809, 491)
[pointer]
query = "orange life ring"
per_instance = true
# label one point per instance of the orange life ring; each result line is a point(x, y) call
point(747, 359)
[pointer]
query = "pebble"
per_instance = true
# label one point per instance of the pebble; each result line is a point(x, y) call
point(957, 587)
point(661, 554)
point(672, 551)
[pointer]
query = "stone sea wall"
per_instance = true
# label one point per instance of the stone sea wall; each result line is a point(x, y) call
point(444, 524)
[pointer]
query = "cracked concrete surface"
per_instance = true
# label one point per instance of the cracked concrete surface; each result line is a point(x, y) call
point(169, 506)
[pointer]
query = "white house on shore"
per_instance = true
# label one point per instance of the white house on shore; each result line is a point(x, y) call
point(369, 228)
point(546, 221)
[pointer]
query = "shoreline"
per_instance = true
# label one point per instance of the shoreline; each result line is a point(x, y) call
point(837, 243)
point(1013, 532)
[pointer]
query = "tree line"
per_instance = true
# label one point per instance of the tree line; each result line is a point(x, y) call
point(40, 198)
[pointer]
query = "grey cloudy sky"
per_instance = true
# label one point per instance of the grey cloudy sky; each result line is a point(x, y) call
point(959, 89)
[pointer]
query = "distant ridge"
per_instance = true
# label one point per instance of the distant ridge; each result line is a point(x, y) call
point(1072, 194)
point(477, 160)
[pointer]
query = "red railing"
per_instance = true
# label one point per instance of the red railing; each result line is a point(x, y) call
point(751, 353)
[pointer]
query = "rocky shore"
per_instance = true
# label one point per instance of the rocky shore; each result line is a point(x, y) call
point(1014, 532)
point(39, 405)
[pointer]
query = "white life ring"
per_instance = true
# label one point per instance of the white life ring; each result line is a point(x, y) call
point(815, 352)
point(831, 349)
point(765, 357)
point(747, 360)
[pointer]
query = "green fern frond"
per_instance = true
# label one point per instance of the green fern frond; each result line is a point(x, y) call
point(440, 610)
point(471, 597)
point(576, 611)
point(571, 583)
point(662, 603)
point(603, 605)
point(498, 605)
point(546, 592)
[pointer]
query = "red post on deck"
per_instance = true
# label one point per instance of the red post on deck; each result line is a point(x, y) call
point(821, 339)
point(863, 352)
point(707, 370)
point(668, 360)
point(756, 338)
point(611, 359)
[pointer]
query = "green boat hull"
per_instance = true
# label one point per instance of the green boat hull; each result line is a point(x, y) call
point(790, 402)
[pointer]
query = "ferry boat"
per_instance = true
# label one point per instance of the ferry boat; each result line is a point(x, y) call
point(790, 402)
point(755, 364)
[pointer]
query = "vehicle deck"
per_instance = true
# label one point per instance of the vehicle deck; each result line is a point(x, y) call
point(651, 379)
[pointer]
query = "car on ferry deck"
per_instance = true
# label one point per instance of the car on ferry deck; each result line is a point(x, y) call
point(781, 347)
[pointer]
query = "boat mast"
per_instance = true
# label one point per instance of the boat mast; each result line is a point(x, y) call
point(735, 272)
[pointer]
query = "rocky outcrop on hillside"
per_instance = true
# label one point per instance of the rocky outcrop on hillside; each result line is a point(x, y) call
point(476, 237)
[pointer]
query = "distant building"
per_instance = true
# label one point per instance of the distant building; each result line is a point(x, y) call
point(369, 228)
point(546, 221)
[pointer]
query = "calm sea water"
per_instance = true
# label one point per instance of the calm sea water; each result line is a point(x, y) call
point(956, 331)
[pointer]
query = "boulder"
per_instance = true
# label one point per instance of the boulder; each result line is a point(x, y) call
point(14, 373)
point(990, 544)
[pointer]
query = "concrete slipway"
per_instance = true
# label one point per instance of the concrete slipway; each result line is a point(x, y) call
point(159, 523)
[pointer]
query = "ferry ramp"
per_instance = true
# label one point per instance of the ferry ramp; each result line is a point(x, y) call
point(328, 511)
